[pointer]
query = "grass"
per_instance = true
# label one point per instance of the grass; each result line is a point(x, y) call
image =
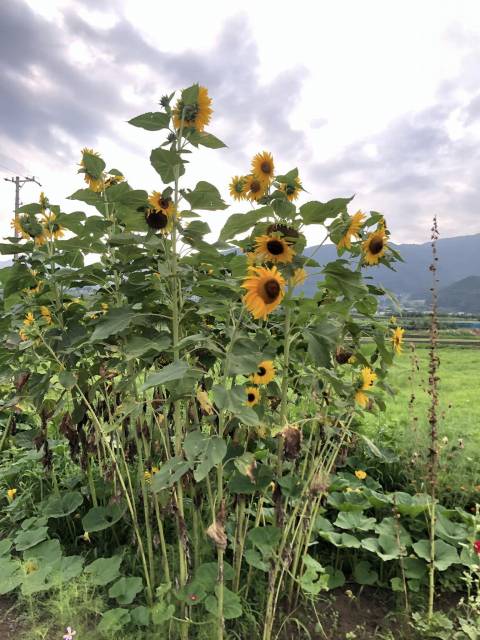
point(404, 425)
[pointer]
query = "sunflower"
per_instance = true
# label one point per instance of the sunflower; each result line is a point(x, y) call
point(11, 493)
point(20, 225)
point(291, 189)
point(45, 312)
point(196, 115)
point(360, 474)
point(236, 188)
point(94, 183)
point(397, 339)
point(253, 396)
point(368, 378)
point(29, 319)
point(355, 224)
point(262, 167)
point(161, 216)
point(264, 374)
point(299, 277)
point(374, 246)
point(159, 201)
point(113, 180)
point(52, 229)
point(265, 290)
point(273, 249)
point(254, 188)
point(161, 220)
point(23, 335)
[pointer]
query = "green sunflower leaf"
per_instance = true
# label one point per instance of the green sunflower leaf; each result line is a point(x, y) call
point(167, 163)
point(241, 222)
point(174, 371)
point(113, 323)
point(206, 197)
point(205, 140)
point(151, 121)
point(315, 212)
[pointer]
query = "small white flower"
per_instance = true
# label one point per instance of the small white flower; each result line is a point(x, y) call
point(70, 633)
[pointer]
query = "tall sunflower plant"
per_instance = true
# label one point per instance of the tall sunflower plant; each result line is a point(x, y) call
point(203, 391)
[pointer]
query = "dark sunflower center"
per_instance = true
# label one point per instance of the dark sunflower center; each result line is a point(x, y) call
point(275, 247)
point(271, 290)
point(261, 371)
point(157, 219)
point(290, 189)
point(376, 245)
point(191, 112)
point(255, 186)
point(238, 187)
point(265, 167)
point(251, 397)
point(164, 203)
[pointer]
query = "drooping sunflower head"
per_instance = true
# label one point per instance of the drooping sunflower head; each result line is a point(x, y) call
point(374, 246)
point(236, 188)
point(263, 167)
point(291, 189)
point(29, 229)
point(254, 188)
point(273, 248)
point(195, 115)
point(253, 396)
point(93, 177)
point(397, 339)
point(264, 374)
point(353, 230)
point(265, 290)
point(113, 179)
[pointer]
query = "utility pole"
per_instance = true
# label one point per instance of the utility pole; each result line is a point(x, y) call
point(19, 182)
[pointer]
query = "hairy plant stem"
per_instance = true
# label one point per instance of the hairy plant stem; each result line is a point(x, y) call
point(290, 532)
point(284, 389)
point(177, 411)
point(129, 498)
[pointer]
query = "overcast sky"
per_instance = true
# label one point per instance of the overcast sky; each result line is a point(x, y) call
point(377, 98)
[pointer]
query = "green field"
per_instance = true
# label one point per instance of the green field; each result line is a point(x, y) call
point(405, 429)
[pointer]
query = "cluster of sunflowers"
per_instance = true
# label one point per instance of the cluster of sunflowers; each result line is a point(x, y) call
point(257, 183)
point(28, 227)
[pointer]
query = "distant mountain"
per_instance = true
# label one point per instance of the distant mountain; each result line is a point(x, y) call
point(458, 258)
point(463, 295)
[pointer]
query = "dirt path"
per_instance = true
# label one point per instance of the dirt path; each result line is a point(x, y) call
point(8, 621)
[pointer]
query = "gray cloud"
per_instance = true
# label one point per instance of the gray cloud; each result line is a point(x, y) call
point(83, 104)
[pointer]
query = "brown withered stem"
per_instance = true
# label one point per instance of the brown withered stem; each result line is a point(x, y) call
point(433, 379)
